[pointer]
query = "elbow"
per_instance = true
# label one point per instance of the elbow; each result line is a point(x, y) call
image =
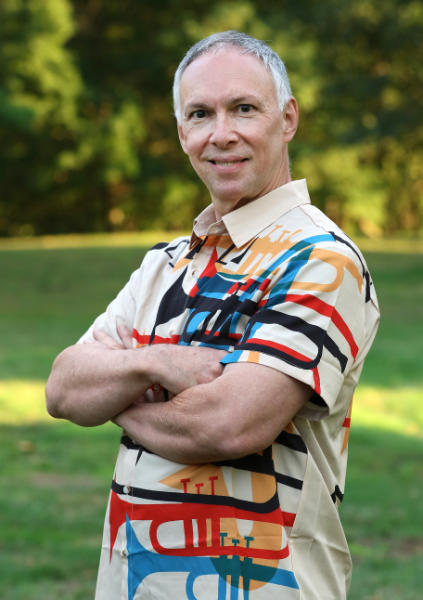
point(64, 397)
point(239, 437)
point(238, 446)
point(54, 398)
point(60, 405)
point(231, 443)
point(56, 394)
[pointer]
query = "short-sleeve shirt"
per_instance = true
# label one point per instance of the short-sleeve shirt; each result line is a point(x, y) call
point(277, 283)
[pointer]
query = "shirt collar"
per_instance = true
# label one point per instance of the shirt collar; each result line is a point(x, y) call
point(246, 222)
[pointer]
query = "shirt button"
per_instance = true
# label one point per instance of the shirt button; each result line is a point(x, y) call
point(126, 489)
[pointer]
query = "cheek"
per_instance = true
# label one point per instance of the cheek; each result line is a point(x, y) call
point(265, 136)
point(193, 145)
point(274, 142)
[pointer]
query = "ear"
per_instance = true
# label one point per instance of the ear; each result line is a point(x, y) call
point(182, 138)
point(290, 119)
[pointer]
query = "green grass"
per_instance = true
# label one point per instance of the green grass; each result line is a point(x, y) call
point(54, 477)
point(396, 357)
point(50, 297)
point(54, 480)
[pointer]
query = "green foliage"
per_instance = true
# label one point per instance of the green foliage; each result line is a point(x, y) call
point(39, 86)
point(86, 115)
point(367, 109)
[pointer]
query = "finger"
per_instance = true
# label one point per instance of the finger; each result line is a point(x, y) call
point(125, 335)
point(106, 340)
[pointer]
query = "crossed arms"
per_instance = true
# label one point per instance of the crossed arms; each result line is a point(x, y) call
point(213, 414)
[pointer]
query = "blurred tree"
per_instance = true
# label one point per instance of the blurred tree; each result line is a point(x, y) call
point(39, 87)
point(128, 52)
point(363, 147)
point(89, 139)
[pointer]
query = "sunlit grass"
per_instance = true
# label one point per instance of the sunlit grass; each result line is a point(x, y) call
point(398, 410)
point(390, 246)
point(22, 402)
point(89, 240)
point(149, 238)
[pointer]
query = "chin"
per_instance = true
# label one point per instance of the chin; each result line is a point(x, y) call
point(228, 196)
point(226, 203)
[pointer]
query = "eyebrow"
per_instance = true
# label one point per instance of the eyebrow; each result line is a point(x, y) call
point(195, 106)
point(245, 99)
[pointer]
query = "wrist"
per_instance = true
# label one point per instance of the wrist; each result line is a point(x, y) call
point(147, 364)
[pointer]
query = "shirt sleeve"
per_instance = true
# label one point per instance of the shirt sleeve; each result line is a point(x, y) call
point(310, 321)
point(124, 308)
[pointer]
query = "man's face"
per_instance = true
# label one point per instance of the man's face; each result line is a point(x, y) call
point(232, 128)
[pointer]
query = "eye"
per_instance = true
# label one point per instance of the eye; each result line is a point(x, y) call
point(245, 108)
point(198, 114)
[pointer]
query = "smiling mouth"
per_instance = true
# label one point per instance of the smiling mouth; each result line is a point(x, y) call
point(228, 163)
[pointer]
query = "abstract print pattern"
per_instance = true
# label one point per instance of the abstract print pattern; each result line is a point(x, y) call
point(284, 299)
point(241, 543)
point(255, 301)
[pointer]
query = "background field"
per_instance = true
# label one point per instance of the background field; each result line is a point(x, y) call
point(54, 477)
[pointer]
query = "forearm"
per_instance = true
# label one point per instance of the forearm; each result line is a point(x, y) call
point(237, 414)
point(90, 384)
point(176, 430)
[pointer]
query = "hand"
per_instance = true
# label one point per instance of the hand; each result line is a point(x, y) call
point(155, 392)
point(178, 368)
point(108, 341)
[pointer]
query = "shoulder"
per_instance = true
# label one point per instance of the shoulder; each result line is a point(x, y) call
point(170, 250)
point(311, 227)
point(315, 249)
point(179, 243)
point(155, 261)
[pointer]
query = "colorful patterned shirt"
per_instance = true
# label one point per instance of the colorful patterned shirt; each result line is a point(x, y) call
point(275, 282)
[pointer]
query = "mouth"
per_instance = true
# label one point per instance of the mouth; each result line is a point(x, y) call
point(228, 163)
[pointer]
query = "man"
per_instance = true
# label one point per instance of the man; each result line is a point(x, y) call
point(229, 360)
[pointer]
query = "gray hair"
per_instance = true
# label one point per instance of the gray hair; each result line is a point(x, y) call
point(249, 45)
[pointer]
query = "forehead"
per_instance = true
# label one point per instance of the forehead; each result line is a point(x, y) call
point(226, 72)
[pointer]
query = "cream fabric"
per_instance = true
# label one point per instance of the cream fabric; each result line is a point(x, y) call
point(276, 283)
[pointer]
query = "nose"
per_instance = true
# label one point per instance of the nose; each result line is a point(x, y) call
point(224, 132)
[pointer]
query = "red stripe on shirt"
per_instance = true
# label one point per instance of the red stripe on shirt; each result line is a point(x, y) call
point(328, 311)
point(144, 339)
point(277, 346)
point(290, 352)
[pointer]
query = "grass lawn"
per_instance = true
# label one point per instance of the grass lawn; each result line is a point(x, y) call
point(54, 476)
